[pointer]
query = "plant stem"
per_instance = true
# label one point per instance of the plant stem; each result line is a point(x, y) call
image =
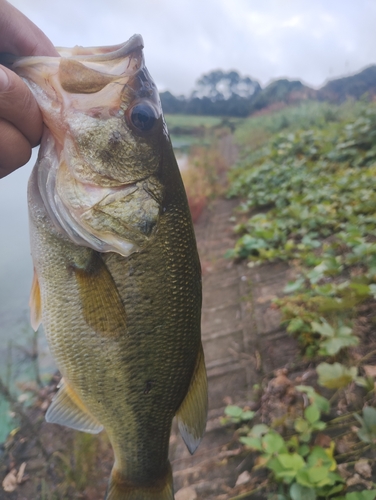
point(17, 408)
point(356, 449)
point(250, 492)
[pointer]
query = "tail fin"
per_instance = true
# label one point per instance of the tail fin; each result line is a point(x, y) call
point(161, 490)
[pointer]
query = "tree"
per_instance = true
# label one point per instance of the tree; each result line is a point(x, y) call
point(219, 85)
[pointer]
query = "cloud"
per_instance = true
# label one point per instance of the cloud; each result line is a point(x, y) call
point(265, 39)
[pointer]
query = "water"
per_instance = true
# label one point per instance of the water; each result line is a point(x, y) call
point(16, 335)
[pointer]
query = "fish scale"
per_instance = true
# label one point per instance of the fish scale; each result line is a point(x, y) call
point(117, 280)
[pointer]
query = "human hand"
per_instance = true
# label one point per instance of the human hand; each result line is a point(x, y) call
point(21, 122)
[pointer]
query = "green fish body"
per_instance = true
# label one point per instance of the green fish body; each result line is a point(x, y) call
point(117, 283)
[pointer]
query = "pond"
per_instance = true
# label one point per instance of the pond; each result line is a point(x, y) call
point(17, 339)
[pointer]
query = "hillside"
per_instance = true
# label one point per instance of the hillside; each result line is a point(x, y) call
point(228, 94)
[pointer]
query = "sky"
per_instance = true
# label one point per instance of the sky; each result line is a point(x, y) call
point(310, 40)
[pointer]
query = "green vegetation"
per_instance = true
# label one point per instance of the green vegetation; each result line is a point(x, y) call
point(302, 461)
point(319, 189)
point(307, 184)
point(191, 122)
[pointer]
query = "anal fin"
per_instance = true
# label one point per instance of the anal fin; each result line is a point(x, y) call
point(67, 409)
point(192, 413)
point(35, 303)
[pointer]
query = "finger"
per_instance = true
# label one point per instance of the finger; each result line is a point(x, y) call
point(18, 106)
point(20, 36)
point(15, 149)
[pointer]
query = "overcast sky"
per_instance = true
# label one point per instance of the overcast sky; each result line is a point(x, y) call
point(311, 40)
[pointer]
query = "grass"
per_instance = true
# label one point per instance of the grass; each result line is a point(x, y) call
point(192, 121)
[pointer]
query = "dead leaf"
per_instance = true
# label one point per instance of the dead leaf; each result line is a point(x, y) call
point(356, 479)
point(343, 472)
point(10, 481)
point(21, 472)
point(323, 440)
point(363, 468)
point(243, 478)
point(370, 370)
point(265, 299)
point(186, 494)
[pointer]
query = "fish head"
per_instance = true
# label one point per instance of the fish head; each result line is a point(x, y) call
point(101, 157)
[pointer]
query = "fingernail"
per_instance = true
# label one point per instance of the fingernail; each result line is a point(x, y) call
point(4, 79)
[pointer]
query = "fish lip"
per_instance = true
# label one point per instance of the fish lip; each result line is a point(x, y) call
point(136, 42)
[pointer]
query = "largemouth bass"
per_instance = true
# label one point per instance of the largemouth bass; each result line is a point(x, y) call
point(117, 282)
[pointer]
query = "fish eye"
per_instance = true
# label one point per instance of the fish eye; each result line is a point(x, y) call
point(143, 117)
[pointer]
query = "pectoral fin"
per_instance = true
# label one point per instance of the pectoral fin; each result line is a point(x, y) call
point(68, 409)
point(35, 304)
point(102, 306)
point(193, 411)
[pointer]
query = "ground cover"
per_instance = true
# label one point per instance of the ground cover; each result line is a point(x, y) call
point(307, 184)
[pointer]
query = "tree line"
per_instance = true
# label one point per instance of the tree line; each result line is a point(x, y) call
point(220, 93)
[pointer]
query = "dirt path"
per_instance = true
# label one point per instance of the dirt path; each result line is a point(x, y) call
point(242, 341)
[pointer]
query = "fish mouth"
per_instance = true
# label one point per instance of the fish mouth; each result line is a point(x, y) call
point(107, 53)
point(125, 59)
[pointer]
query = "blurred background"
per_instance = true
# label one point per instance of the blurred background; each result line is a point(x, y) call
point(216, 63)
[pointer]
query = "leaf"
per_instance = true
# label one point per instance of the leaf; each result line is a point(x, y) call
point(296, 325)
point(251, 442)
point(312, 414)
point(233, 411)
point(247, 415)
point(322, 328)
point(298, 492)
point(322, 403)
point(303, 479)
point(319, 426)
point(361, 495)
point(273, 443)
point(372, 289)
point(336, 375)
point(367, 432)
point(291, 461)
point(259, 430)
point(304, 449)
point(369, 416)
point(318, 475)
point(294, 286)
point(301, 425)
point(332, 346)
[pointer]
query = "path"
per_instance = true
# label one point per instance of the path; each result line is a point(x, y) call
point(242, 341)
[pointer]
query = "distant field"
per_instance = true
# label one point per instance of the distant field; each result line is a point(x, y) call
point(191, 130)
point(192, 121)
point(254, 131)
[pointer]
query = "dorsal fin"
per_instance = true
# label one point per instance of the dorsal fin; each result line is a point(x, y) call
point(68, 409)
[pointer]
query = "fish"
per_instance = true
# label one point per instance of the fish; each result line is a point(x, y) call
point(117, 279)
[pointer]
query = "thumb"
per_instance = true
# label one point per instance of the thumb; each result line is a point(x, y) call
point(20, 122)
point(18, 106)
